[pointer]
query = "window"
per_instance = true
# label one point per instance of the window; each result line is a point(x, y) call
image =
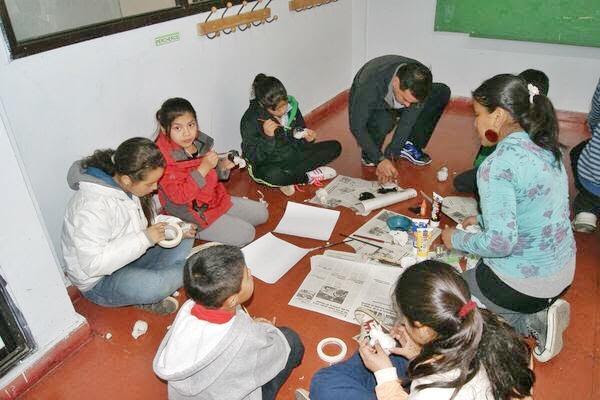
point(33, 26)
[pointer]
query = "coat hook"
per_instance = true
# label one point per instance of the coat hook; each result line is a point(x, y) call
point(259, 22)
point(228, 6)
point(244, 3)
point(213, 9)
point(273, 18)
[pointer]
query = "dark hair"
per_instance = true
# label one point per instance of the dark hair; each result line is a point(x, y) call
point(268, 91)
point(213, 274)
point(432, 293)
point(538, 118)
point(538, 79)
point(134, 157)
point(417, 78)
point(171, 109)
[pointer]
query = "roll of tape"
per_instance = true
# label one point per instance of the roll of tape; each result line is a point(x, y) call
point(173, 236)
point(332, 359)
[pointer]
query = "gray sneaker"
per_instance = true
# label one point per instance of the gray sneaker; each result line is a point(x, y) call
point(547, 327)
point(301, 394)
point(166, 306)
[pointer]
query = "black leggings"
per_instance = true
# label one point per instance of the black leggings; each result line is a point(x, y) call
point(293, 171)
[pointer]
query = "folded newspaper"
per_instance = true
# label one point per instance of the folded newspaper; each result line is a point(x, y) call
point(336, 287)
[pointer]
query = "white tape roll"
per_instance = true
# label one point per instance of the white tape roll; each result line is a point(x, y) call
point(173, 236)
point(332, 359)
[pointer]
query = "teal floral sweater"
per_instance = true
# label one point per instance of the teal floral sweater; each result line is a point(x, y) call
point(526, 232)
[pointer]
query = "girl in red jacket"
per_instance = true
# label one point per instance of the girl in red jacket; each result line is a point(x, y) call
point(189, 188)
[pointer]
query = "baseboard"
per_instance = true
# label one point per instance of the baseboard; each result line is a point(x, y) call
point(463, 103)
point(53, 357)
point(320, 113)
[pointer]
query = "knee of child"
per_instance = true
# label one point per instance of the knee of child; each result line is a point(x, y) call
point(243, 235)
point(262, 214)
point(296, 346)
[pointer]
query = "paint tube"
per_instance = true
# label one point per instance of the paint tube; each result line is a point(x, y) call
point(436, 209)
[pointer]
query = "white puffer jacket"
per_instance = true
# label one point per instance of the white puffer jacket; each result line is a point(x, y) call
point(103, 229)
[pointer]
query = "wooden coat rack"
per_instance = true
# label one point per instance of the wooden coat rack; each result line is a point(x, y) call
point(241, 20)
point(301, 5)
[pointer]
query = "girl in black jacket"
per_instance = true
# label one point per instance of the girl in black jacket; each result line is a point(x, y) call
point(280, 150)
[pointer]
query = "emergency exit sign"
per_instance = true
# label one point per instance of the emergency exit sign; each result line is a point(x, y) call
point(166, 39)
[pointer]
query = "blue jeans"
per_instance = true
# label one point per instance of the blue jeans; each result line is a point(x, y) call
point(149, 279)
point(350, 380)
point(270, 389)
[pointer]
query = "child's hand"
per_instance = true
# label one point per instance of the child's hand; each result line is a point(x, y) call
point(156, 232)
point(225, 163)
point(374, 357)
point(190, 230)
point(310, 135)
point(269, 127)
point(209, 161)
point(447, 236)
point(386, 171)
point(409, 348)
point(472, 220)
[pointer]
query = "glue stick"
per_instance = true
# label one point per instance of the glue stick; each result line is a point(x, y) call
point(422, 233)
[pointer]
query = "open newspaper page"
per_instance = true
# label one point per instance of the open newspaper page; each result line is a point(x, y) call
point(336, 287)
point(377, 228)
point(344, 191)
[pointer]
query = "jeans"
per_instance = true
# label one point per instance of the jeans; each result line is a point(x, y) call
point(270, 389)
point(293, 171)
point(414, 126)
point(584, 200)
point(147, 280)
point(350, 380)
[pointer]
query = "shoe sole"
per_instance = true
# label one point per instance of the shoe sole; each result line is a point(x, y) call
point(559, 315)
point(301, 394)
point(414, 160)
point(584, 228)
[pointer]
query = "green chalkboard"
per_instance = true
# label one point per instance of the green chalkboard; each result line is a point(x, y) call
point(575, 22)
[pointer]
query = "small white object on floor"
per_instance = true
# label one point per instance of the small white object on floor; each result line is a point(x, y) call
point(108, 336)
point(399, 237)
point(261, 198)
point(442, 174)
point(469, 229)
point(139, 328)
point(322, 195)
point(175, 293)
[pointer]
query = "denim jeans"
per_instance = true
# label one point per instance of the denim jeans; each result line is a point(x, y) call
point(149, 279)
point(585, 201)
point(350, 380)
point(270, 389)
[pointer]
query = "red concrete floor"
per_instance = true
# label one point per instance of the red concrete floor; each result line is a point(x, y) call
point(121, 367)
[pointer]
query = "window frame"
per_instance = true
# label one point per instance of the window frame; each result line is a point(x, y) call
point(52, 41)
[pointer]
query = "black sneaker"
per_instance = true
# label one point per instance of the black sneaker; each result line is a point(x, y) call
point(547, 327)
point(414, 154)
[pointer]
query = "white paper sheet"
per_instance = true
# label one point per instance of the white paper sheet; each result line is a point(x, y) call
point(307, 221)
point(260, 258)
point(458, 208)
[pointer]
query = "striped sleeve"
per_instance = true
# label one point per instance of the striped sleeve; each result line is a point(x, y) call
point(594, 115)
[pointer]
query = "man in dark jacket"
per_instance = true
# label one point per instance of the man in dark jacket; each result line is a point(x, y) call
point(395, 91)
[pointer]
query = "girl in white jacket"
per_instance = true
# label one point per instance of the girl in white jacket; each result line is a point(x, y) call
point(110, 231)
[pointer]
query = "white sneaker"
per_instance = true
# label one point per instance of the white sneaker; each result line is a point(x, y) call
point(301, 394)
point(200, 247)
point(288, 190)
point(585, 222)
point(320, 174)
point(558, 318)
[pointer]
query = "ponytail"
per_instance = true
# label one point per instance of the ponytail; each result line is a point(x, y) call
point(134, 157)
point(436, 296)
point(268, 91)
point(533, 111)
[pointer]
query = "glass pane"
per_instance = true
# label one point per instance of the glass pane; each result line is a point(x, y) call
point(36, 18)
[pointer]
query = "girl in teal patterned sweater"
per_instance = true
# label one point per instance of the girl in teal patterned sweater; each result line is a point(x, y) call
point(526, 243)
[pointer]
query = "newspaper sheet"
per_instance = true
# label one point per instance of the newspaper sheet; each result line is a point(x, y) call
point(344, 191)
point(377, 228)
point(458, 208)
point(336, 287)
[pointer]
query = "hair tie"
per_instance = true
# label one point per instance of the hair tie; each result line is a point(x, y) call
point(533, 91)
point(466, 309)
point(112, 158)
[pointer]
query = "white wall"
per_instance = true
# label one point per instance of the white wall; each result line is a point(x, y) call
point(27, 262)
point(463, 62)
point(63, 104)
